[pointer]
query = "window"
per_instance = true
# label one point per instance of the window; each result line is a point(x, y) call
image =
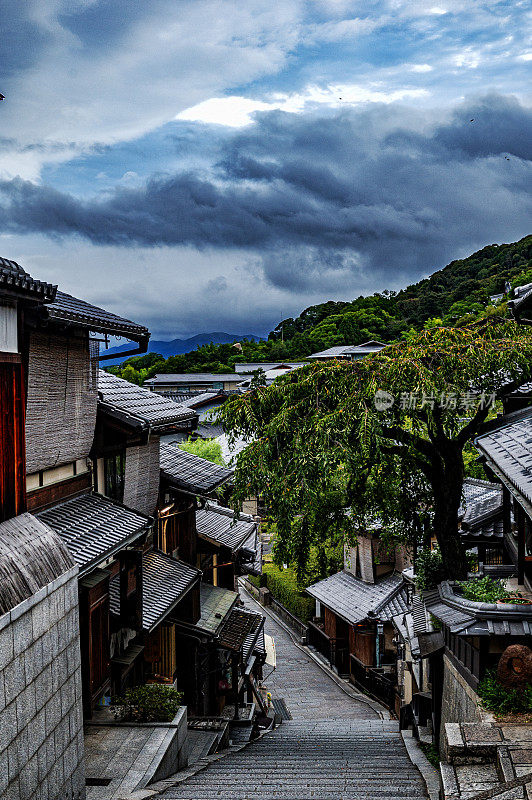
point(8, 329)
point(217, 385)
point(114, 472)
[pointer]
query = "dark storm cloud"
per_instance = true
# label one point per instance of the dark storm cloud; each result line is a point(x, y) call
point(327, 194)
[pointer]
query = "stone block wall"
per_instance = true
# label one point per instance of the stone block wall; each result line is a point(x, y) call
point(459, 700)
point(41, 723)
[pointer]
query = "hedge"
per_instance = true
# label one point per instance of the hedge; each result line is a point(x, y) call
point(283, 585)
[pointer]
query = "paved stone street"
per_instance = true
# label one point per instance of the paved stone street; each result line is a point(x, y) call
point(307, 691)
point(334, 748)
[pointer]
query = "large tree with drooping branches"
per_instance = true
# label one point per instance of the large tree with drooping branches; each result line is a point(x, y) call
point(326, 456)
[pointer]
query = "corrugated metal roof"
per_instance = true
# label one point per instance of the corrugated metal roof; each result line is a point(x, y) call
point(15, 279)
point(216, 604)
point(31, 557)
point(353, 600)
point(139, 406)
point(93, 527)
point(70, 309)
point(218, 525)
point(239, 626)
point(165, 581)
point(191, 473)
point(509, 448)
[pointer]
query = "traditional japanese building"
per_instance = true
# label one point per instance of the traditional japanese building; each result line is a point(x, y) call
point(354, 610)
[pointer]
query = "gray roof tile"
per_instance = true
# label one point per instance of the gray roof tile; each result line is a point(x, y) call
point(350, 350)
point(469, 618)
point(353, 600)
point(93, 527)
point(218, 525)
point(191, 473)
point(138, 406)
point(240, 624)
point(70, 309)
point(509, 449)
point(14, 278)
point(178, 378)
point(165, 581)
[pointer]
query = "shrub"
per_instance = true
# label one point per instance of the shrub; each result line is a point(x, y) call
point(284, 586)
point(501, 699)
point(151, 703)
point(429, 569)
point(483, 590)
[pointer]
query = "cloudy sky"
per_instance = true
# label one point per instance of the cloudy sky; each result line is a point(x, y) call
point(219, 165)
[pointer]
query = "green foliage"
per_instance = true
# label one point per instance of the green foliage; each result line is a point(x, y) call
point(456, 295)
point(324, 454)
point(151, 703)
point(285, 587)
point(429, 569)
point(431, 754)
point(209, 449)
point(502, 699)
point(483, 590)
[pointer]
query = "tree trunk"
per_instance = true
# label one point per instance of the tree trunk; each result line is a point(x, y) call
point(447, 488)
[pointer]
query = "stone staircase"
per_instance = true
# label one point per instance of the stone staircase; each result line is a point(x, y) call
point(333, 759)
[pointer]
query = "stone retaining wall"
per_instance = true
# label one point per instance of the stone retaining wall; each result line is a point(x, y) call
point(41, 723)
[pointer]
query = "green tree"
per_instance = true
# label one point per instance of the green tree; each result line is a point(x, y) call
point(323, 449)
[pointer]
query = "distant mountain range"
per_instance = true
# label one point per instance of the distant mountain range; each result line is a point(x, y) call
point(178, 346)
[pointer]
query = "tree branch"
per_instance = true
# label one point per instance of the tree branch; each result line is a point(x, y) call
point(410, 440)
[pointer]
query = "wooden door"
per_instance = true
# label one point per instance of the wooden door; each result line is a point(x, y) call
point(12, 441)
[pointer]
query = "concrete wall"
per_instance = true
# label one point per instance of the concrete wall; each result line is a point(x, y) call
point(459, 700)
point(41, 725)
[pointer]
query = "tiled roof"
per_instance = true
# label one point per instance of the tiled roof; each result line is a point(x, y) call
point(193, 377)
point(509, 449)
point(252, 554)
point(350, 350)
point(70, 309)
point(137, 406)
point(14, 278)
point(197, 400)
point(254, 641)
point(482, 511)
point(218, 525)
point(216, 604)
point(353, 600)
point(469, 618)
point(238, 627)
point(165, 581)
point(522, 299)
point(191, 473)
point(93, 527)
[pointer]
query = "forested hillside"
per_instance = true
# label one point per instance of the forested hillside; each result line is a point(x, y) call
point(458, 293)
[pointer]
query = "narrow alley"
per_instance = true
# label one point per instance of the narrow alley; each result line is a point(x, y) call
point(335, 747)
